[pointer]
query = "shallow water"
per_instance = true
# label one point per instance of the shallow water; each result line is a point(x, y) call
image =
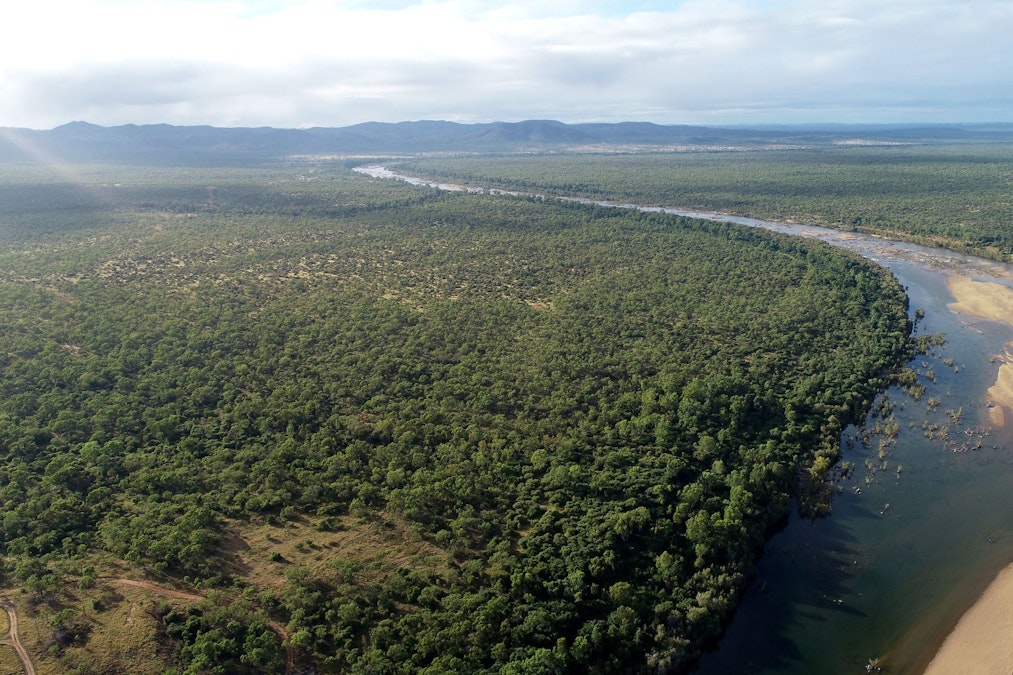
point(889, 573)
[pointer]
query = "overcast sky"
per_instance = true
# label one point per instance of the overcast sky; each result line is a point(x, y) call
point(304, 63)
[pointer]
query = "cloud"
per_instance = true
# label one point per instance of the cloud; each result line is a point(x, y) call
point(329, 62)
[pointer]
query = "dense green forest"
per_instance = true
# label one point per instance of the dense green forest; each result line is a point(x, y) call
point(945, 194)
point(516, 435)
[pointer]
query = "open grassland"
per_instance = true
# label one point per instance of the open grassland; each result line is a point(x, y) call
point(9, 662)
point(369, 549)
point(120, 632)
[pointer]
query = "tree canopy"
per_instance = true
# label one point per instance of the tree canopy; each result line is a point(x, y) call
point(949, 194)
point(588, 419)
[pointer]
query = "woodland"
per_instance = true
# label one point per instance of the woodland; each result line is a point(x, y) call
point(386, 429)
point(945, 194)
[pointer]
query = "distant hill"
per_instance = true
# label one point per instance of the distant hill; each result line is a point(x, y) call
point(163, 143)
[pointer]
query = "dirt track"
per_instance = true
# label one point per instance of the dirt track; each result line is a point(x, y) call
point(12, 637)
point(26, 662)
point(194, 597)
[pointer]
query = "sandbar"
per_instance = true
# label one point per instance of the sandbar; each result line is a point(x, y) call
point(984, 299)
point(1001, 393)
point(982, 642)
point(994, 301)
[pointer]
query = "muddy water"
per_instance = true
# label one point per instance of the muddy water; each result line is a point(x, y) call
point(905, 552)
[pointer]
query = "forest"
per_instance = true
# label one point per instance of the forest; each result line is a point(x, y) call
point(385, 429)
point(952, 195)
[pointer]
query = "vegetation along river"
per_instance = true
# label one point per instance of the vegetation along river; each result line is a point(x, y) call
point(921, 525)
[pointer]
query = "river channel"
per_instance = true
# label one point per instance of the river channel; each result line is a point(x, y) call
point(905, 552)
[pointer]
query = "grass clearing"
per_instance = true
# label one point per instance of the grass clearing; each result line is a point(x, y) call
point(9, 662)
point(378, 545)
point(122, 635)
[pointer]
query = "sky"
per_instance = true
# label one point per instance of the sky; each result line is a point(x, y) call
point(305, 63)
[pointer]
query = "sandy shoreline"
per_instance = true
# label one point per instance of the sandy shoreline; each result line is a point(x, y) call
point(994, 301)
point(982, 642)
point(1001, 393)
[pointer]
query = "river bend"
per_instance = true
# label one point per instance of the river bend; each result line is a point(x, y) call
point(906, 550)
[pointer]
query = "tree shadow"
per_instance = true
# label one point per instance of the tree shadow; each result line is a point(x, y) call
point(229, 554)
point(803, 576)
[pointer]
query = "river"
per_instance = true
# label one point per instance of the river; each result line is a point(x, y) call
point(904, 553)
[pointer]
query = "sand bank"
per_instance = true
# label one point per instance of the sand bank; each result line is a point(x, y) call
point(982, 642)
point(984, 299)
point(989, 300)
point(1001, 393)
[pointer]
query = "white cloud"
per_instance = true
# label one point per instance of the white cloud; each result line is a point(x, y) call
point(329, 62)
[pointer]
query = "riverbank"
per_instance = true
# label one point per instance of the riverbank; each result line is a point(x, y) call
point(993, 301)
point(982, 642)
point(910, 572)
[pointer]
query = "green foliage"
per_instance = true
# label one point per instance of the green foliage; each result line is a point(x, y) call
point(595, 415)
point(943, 194)
point(219, 637)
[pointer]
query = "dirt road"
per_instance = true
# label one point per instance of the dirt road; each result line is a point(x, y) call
point(26, 662)
point(194, 597)
point(12, 637)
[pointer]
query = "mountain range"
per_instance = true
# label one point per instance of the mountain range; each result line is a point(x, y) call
point(163, 143)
